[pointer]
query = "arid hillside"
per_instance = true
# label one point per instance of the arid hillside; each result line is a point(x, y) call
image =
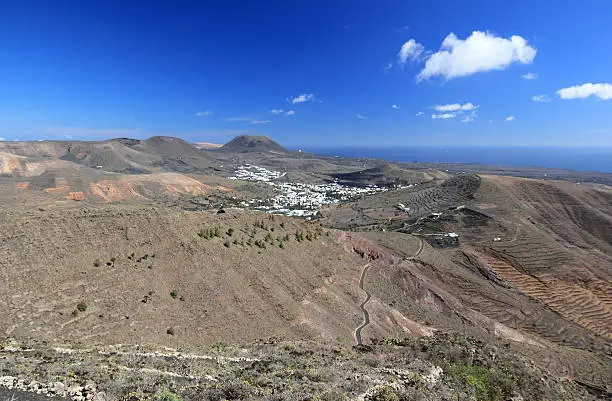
point(150, 275)
point(521, 259)
point(164, 248)
point(116, 155)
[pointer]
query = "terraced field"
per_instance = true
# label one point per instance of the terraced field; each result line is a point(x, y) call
point(572, 301)
point(418, 201)
point(451, 192)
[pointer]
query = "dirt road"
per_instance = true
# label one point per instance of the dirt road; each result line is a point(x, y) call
point(366, 315)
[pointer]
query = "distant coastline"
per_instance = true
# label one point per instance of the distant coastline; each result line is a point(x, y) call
point(570, 158)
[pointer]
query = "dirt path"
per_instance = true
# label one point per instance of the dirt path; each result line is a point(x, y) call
point(418, 253)
point(366, 315)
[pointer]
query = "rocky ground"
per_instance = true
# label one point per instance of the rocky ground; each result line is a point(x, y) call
point(443, 367)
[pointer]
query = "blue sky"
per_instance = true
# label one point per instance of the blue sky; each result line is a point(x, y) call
point(210, 70)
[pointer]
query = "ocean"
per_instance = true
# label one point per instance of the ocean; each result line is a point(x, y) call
point(571, 158)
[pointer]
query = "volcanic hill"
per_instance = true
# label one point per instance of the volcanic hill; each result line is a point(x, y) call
point(251, 143)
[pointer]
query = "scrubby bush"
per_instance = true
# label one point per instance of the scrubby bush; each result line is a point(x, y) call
point(489, 385)
point(81, 307)
point(166, 395)
point(208, 233)
point(388, 393)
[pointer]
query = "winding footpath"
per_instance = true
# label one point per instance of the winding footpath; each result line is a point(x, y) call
point(366, 315)
point(418, 253)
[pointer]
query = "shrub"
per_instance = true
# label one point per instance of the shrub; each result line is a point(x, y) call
point(226, 244)
point(166, 395)
point(388, 393)
point(81, 307)
point(220, 346)
point(174, 294)
point(230, 231)
point(170, 331)
point(209, 233)
point(488, 385)
point(96, 263)
point(333, 395)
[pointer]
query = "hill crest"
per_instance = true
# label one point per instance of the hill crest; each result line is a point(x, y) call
point(253, 143)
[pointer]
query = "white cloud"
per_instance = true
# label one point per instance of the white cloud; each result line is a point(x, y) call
point(361, 117)
point(290, 113)
point(410, 50)
point(602, 91)
point(530, 76)
point(277, 111)
point(510, 118)
point(420, 113)
point(206, 113)
point(394, 106)
point(2, 139)
point(305, 97)
point(455, 107)
point(403, 28)
point(388, 67)
point(444, 116)
point(470, 117)
point(250, 121)
point(541, 98)
point(480, 52)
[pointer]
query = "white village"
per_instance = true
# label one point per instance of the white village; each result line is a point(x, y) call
point(294, 198)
